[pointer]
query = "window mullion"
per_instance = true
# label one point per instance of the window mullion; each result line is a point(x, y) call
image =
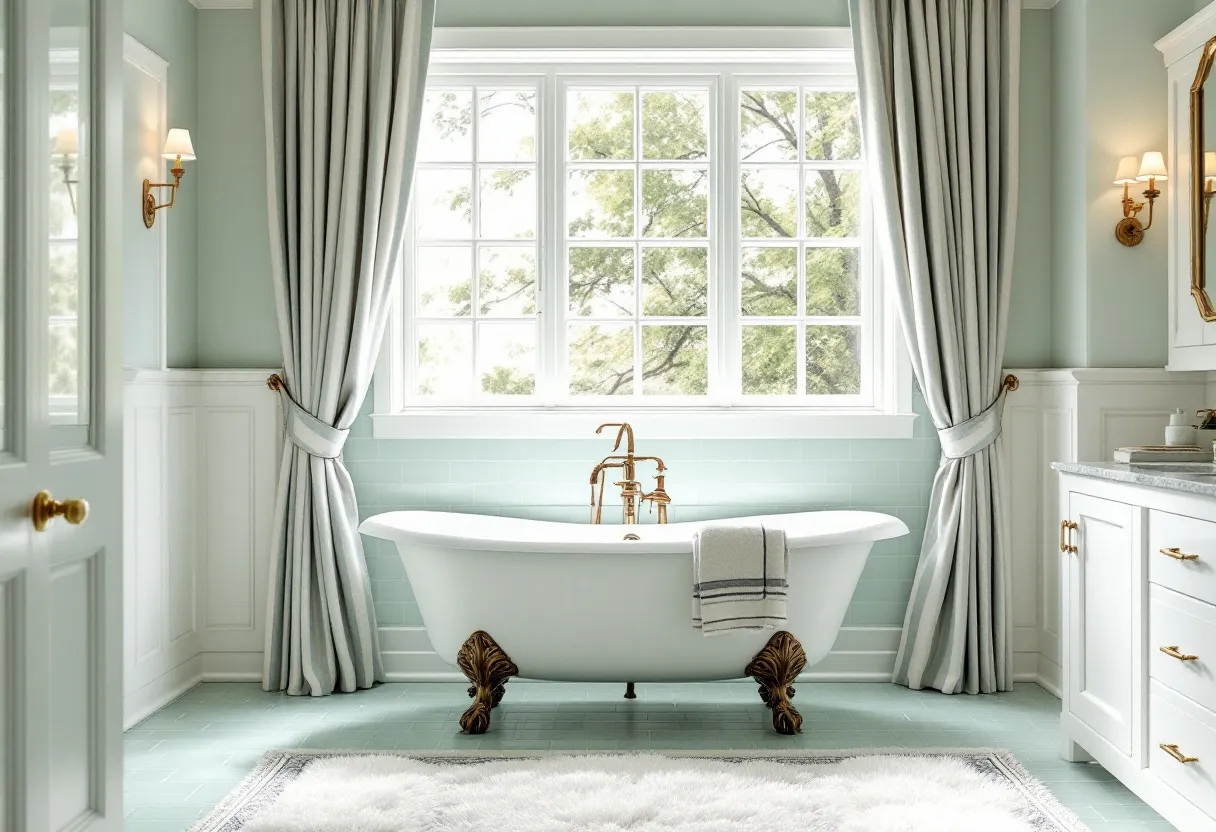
point(551, 254)
point(729, 233)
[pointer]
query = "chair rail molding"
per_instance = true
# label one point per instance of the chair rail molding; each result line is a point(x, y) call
point(1071, 415)
point(201, 455)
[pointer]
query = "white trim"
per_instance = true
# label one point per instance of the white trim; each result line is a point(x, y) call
point(1191, 34)
point(675, 423)
point(222, 4)
point(141, 704)
point(791, 56)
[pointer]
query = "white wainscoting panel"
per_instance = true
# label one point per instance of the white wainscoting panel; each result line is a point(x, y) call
point(201, 456)
point(1070, 416)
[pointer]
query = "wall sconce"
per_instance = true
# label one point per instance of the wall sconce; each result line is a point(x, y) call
point(179, 148)
point(67, 147)
point(1129, 230)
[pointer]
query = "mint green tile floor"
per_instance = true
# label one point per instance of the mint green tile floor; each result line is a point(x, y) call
point(182, 760)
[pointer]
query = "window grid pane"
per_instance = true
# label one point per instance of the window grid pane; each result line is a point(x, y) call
point(637, 294)
point(475, 259)
point(800, 196)
point(638, 172)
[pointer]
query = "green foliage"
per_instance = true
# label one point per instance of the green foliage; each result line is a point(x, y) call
point(672, 203)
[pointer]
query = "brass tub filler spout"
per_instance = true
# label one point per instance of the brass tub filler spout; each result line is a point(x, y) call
point(632, 494)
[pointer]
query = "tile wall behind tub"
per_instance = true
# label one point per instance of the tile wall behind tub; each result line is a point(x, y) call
point(709, 479)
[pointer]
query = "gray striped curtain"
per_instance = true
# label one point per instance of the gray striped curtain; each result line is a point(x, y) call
point(343, 82)
point(939, 106)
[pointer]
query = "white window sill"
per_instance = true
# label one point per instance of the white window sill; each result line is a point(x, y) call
point(683, 423)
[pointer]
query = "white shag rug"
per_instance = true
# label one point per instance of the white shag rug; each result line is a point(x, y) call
point(843, 791)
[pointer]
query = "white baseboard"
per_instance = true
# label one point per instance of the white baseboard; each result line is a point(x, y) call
point(147, 700)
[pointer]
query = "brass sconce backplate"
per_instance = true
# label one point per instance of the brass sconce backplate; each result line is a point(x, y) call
point(149, 205)
point(1129, 231)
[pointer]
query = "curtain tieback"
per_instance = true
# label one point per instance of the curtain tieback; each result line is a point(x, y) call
point(307, 432)
point(972, 436)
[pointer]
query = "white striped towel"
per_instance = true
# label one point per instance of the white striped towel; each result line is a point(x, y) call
point(739, 578)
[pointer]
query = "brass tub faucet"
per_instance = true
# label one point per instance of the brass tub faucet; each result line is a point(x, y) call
point(632, 494)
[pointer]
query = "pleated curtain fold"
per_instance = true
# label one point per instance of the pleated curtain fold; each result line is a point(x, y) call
point(343, 84)
point(938, 85)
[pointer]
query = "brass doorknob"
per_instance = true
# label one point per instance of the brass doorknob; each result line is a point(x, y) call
point(46, 508)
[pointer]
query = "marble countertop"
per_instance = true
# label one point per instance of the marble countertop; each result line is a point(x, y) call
point(1192, 477)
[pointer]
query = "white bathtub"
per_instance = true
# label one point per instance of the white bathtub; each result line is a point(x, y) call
point(578, 603)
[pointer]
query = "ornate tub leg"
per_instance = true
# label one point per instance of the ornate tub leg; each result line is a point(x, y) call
point(775, 668)
point(629, 694)
point(488, 668)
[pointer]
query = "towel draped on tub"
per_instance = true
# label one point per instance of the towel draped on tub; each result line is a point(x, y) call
point(739, 578)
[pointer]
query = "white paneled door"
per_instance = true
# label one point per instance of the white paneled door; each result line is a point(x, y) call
point(60, 415)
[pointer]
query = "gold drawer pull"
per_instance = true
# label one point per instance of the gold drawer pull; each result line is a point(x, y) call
point(1067, 526)
point(1173, 751)
point(1177, 554)
point(1172, 652)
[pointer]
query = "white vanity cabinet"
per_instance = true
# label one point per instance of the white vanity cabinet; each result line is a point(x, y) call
point(1138, 578)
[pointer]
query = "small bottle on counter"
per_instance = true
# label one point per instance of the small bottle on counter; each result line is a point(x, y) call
point(1179, 432)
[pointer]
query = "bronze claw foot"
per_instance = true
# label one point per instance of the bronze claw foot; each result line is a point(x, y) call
point(488, 668)
point(775, 668)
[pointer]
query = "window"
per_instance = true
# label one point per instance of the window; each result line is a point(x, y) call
point(594, 232)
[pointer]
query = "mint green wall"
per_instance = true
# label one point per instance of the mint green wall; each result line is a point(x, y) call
point(236, 324)
point(1067, 195)
point(642, 13)
point(168, 28)
point(1108, 83)
point(236, 317)
point(1029, 340)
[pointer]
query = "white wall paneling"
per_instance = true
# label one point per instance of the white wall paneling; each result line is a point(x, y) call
point(1069, 416)
point(201, 457)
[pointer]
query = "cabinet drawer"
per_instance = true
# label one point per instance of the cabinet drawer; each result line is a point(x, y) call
point(1186, 537)
point(1175, 720)
point(1177, 621)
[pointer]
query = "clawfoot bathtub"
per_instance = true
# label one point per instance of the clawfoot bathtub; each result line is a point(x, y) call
point(505, 597)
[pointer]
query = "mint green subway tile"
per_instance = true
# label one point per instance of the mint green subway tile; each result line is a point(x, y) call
point(922, 470)
point(824, 450)
point(879, 589)
point(450, 494)
point(390, 614)
point(773, 449)
point(876, 614)
point(887, 450)
point(411, 616)
point(888, 494)
point(856, 472)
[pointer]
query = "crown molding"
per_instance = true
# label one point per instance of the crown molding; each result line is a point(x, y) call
point(1192, 34)
point(222, 4)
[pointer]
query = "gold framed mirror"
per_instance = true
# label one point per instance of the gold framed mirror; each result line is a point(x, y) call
point(1203, 183)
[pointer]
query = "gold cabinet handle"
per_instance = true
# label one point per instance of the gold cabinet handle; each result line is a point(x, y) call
point(46, 508)
point(1172, 750)
point(1066, 527)
point(1177, 554)
point(1172, 652)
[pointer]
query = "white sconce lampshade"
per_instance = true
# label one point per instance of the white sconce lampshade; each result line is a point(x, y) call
point(1152, 166)
point(67, 142)
point(1129, 167)
point(1209, 164)
point(178, 143)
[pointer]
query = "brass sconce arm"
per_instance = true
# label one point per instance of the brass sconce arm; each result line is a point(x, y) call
point(151, 206)
point(65, 165)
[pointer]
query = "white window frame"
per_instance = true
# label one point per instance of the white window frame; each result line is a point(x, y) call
point(556, 58)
